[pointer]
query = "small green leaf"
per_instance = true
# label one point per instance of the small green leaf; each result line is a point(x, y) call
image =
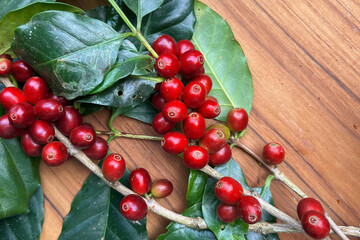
point(145, 112)
point(73, 60)
point(196, 186)
point(225, 61)
point(12, 5)
point(19, 178)
point(95, 214)
point(18, 17)
point(142, 7)
point(25, 226)
point(125, 94)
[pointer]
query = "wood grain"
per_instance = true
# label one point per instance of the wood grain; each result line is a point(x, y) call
point(305, 61)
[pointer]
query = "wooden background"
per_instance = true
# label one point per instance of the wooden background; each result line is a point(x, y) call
point(305, 61)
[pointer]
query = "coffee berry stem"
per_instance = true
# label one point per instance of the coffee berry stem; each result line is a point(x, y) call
point(136, 32)
point(117, 134)
point(279, 175)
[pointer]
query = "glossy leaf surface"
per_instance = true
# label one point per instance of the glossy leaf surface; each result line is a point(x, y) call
point(142, 7)
point(11, 5)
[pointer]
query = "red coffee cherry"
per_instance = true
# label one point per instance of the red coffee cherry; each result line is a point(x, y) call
point(213, 140)
point(83, 136)
point(194, 94)
point(21, 115)
point(211, 98)
point(10, 96)
point(222, 128)
point(48, 110)
point(98, 150)
point(35, 89)
point(5, 67)
point(174, 142)
point(165, 43)
point(220, 157)
point(54, 153)
point(174, 111)
point(7, 130)
point(237, 119)
point(167, 65)
point(194, 126)
point(171, 89)
point(195, 157)
point(273, 153)
point(205, 80)
point(161, 188)
point(315, 225)
point(140, 181)
point(249, 209)
point(308, 204)
point(22, 71)
point(133, 207)
point(191, 62)
point(70, 119)
point(227, 213)
point(7, 56)
point(161, 125)
point(113, 167)
point(62, 100)
point(228, 190)
point(42, 132)
point(183, 46)
point(158, 101)
point(209, 109)
point(30, 147)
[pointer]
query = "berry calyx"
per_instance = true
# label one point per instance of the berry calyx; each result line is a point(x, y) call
point(171, 89)
point(5, 67)
point(158, 101)
point(7, 130)
point(273, 153)
point(220, 157)
point(42, 132)
point(161, 188)
point(140, 181)
point(165, 43)
point(70, 119)
point(10, 96)
point(83, 136)
point(113, 167)
point(48, 110)
point(191, 62)
point(21, 115)
point(161, 125)
point(194, 126)
point(195, 157)
point(237, 119)
point(54, 153)
point(228, 190)
point(227, 213)
point(98, 150)
point(205, 80)
point(22, 71)
point(315, 224)
point(35, 89)
point(167, 65)
point(209, 109)
point(213, 140)
point(249, 209)
point(174, 142)
point(308, 204)
point(133, 207)
point(183, 46)
point(174, 111)
point(30, 147)
point(194, 94)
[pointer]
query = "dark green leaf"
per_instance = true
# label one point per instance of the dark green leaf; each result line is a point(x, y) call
point(196, 186)
point(145, 112)
point(142, 7)
point(225, 61)
point(73, 60)
point(125, 94)
point(25, 226)
point(87, 108)
point(21, 16)
point(129, 62)
point(11, 5)
point(19, 178)
point(95, 214)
